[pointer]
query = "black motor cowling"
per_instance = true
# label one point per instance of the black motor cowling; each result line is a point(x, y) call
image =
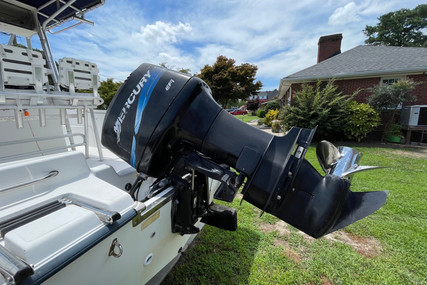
point(158, 115)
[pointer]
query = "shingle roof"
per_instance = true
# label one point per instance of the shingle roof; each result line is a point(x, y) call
point(268, 94)
point(365, 60)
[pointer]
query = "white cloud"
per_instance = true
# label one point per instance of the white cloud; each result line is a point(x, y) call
point(377, 8)
point(366, 10)
point(122, 39)
point(161, 32)
point(344, 15)
point(280, 37)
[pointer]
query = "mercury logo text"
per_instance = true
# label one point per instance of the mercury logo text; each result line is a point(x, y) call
point(128, 104)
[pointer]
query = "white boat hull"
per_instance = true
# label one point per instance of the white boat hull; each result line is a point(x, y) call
point(147, 249)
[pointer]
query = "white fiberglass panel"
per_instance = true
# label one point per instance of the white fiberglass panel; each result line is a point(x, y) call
point(50, 234)
point(74, 181)
point(147, 248)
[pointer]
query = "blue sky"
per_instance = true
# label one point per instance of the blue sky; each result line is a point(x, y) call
point(280, 37)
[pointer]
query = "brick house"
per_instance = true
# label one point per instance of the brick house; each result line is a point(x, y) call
point(361, 68)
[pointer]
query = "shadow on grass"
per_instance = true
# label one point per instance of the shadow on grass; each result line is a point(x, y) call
point(217, 257)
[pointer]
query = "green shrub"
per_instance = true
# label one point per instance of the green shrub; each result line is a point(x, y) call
point(320, 105)
point(272, 106)
point(270, 116)
point(390, 97)
point(261, 113)
point(394, 130)
point(260, 122)
point(361, 120)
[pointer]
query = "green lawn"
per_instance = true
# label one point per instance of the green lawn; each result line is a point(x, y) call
point(246, 118)
point(388, 247)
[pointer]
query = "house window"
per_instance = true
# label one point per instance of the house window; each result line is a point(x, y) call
point(387, 81)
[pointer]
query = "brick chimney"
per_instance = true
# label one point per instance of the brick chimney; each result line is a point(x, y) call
point(328, 47)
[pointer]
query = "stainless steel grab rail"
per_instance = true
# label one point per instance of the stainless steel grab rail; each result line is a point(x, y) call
point(51, 174)
point(104, 215)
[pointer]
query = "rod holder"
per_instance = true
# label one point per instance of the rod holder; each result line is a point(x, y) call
point(79, 116)
point(62, 116)
point(19, 118)
point(42, 117)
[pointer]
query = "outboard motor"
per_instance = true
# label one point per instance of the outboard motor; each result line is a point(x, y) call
point(167, 125)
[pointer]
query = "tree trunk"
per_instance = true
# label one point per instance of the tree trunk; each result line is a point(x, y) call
point(388, 125)
point(224, 105)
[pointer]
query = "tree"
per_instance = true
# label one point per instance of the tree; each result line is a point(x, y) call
point(391, 97)
point(182, 70)
point(106, 91)
point(400, 28)
point(185, 70)
point(320, 105)
point(229, 81)
point(252, 105)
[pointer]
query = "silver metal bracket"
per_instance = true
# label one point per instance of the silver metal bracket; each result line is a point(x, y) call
point(116, 249)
